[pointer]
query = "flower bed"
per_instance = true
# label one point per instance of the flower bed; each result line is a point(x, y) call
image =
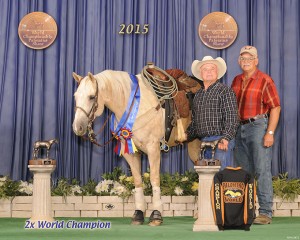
point(112, 197)
point(113, 184)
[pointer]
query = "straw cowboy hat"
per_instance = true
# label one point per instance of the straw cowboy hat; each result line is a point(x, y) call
point(219, 62)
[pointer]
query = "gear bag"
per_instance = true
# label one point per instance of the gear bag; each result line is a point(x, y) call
point(233, 197)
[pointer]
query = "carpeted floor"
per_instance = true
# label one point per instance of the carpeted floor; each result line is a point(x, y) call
point(283, 228)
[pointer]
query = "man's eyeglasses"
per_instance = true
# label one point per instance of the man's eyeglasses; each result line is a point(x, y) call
point(247, 59)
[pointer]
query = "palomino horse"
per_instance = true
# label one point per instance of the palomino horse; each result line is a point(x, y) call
point(112, 89)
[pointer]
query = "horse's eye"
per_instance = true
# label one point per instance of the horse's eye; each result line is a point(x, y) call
point(92, 97)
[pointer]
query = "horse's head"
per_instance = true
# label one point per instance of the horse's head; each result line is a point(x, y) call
point(89, 103)
point(53, 141)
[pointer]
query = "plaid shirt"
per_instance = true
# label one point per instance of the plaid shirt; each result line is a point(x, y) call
point(257, 97)
point(214, 113)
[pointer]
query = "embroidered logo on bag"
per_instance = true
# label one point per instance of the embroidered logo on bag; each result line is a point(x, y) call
point(251, 202)
point(218, 197)
point(233, 192)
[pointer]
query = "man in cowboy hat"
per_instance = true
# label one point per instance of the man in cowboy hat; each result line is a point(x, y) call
point(214, 112)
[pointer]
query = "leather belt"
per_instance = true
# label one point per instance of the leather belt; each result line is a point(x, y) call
point(250, 120)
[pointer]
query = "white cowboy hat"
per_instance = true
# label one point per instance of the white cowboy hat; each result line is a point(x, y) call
point(219, 62)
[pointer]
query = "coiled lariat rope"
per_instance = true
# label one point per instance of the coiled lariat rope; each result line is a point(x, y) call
point(164, 89)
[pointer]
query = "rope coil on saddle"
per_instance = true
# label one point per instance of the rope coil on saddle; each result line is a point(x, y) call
point(163, 88)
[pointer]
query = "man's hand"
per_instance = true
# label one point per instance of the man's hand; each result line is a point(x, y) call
point(268, 140)
point(223, 145)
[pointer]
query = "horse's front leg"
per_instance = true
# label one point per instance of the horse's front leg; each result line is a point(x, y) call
point(134, 161)
point(154, 162)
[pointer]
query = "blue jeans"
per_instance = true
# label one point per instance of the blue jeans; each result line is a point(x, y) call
point(226, 157)
point(252, 156)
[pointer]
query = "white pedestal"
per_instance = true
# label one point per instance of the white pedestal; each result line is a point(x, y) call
point(41, 204)
point(205, 221)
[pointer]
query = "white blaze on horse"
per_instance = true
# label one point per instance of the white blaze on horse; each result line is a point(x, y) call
point(112, 89)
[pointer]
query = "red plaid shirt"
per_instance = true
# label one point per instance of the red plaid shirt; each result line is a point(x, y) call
point(255, 97)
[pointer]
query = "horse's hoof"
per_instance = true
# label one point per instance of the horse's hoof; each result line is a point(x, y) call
point(155, 223)
point(155, 218)
point(136, 223)
point(138, 218)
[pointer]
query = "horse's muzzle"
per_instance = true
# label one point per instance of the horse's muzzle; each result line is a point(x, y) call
point(80, 131)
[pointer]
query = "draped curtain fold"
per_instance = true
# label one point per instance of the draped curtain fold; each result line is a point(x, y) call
point(36, 86)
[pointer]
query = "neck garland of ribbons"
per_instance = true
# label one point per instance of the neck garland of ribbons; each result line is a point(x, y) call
point(124, 127)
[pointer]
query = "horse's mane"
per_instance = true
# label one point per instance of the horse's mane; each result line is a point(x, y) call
point(115, 88)
point(117, 84)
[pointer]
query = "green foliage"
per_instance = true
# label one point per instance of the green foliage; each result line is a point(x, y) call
point(114, 175)
point(179, 184)
point(115, 183)
point(8, 187)
point(89, 188)
point(63, 188)
point(118, 184)
point(286, 189)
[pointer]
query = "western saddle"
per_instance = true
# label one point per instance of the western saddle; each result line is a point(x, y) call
point(180, 104)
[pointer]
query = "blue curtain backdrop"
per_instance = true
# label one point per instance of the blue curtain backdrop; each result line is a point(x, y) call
point(36, 86)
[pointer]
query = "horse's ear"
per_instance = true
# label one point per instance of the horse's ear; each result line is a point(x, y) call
point(91, 76)
point(77, 77)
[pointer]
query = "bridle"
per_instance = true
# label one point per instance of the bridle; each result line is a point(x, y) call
point(91, 116)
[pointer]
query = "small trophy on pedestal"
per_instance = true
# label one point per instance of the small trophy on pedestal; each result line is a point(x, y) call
point(41, 169)
point(206, 169)
point(208, 162)
point(38, 145)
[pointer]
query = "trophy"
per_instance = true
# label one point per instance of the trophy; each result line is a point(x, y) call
point(38, 145)
point(41, 169)
point(208, 162)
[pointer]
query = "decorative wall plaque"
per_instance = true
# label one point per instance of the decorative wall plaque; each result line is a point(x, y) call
point(37, 30)
point(218, 30)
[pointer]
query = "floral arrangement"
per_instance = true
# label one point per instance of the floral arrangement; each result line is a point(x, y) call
point(10, 188)
point(112, 184)
point(119, 184)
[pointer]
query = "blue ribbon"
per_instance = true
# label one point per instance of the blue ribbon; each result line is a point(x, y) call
point(126, 122)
